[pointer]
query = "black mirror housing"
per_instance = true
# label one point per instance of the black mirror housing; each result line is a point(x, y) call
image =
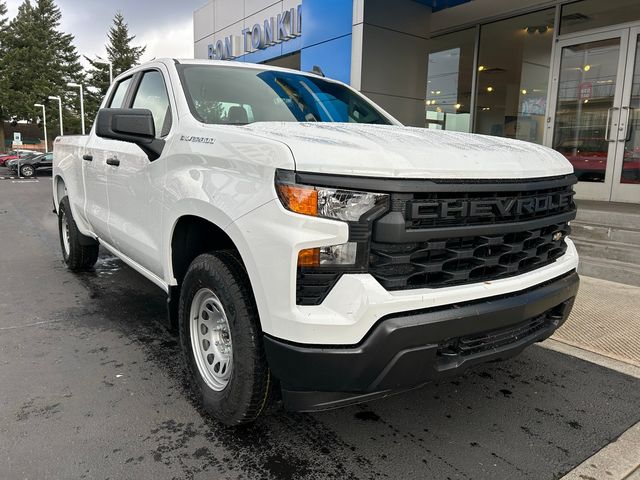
point(133, 125)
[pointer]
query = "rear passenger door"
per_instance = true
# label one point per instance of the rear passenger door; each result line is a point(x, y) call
point(94, 168)
point(136, 184)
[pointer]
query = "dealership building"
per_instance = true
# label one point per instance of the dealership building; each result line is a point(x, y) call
point(565, 74)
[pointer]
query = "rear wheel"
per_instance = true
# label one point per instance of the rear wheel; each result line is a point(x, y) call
point(222, 341)
point(78, 251)
point(27, 171)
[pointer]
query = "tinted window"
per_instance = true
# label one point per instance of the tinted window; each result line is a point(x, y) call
point(152, 94)
point(121, 91)
point(235, 95)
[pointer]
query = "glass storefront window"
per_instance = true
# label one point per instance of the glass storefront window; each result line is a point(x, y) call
point(449, 81)
point(513, 75)
point(589, 14)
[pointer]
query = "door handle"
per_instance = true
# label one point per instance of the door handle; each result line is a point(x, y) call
point(627, 128)
point(113, 161)
point(87, 157)
point(606, 132)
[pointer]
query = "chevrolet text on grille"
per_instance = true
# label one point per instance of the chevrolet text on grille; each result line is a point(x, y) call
point(499, 207)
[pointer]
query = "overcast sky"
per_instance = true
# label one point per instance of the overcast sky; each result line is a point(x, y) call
point(165, 26)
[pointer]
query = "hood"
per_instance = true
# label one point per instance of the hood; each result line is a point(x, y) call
point(409, 152)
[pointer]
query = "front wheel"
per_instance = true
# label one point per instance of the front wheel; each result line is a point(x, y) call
point(78, 251)
point(222, 341)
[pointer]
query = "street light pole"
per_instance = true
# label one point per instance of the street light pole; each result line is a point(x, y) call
point(60, 108)
point(104, 62)
point(44, 121)
point(78, 85)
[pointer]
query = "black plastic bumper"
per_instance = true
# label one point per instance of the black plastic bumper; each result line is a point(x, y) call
point(406, 350)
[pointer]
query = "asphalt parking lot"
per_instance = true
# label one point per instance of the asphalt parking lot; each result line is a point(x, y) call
point(92, 386)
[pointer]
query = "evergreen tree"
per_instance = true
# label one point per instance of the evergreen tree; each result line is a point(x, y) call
point(38, 62)
point(120, 53)
point(119, 49)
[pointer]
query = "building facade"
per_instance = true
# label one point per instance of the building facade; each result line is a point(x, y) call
point(565, 74)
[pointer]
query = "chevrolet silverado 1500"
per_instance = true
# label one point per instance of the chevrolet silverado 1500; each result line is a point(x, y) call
point(312, 248)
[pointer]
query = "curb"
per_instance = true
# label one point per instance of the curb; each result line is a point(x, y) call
point(620, 460)
point(593, 357)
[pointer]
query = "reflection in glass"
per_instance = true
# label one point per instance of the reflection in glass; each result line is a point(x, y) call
point(513, 76)
point(587, 84)
point(631, 161)
point(449, 75)
point(589, 14)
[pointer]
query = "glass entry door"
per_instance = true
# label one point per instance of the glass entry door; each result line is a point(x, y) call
point(626, 172)
point(596, 124)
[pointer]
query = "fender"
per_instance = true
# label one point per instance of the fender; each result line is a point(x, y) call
point(188, 207)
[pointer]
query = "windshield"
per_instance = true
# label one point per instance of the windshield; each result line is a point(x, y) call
point(237, 96)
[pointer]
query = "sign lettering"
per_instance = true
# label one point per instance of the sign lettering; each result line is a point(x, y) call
point(273, 30)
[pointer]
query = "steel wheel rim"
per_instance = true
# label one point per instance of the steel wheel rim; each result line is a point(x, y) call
point(66, 244)
point(211, 339)
point(27, 171)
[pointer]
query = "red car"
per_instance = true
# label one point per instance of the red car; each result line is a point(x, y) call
point(4, 158)
point(590, 162)
point(14, 154)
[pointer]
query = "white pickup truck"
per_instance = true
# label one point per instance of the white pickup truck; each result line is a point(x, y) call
point(313, 249)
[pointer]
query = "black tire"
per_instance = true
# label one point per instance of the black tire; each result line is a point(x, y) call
point(27, 171)
point(82, 252)
point(250, 388)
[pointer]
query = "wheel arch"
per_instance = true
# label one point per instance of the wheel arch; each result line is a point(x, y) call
point(59, 191)
point(192, 235)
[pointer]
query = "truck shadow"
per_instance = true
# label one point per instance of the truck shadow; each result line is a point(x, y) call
point(535, 416)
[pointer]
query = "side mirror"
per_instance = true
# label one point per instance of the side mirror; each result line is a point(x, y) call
point(133, 125)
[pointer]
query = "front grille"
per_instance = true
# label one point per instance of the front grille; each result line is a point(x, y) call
point(454, 261)
point(477, 233)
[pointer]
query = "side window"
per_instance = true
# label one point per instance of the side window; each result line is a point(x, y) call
point(152, 94)
point(120, 92)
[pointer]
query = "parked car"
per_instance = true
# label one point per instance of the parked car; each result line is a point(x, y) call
point(4, 158)
point(30, 164)
point(308, 242)
point(15, 154)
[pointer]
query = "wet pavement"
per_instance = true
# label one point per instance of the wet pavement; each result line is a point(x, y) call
point(92, 386)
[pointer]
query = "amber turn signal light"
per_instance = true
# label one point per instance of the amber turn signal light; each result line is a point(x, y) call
point(299, 198)
point(309, 257)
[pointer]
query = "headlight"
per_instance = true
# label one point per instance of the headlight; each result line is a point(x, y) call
point(338, 204)
point(351, 206)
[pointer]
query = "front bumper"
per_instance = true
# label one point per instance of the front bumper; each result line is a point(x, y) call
point(408, 349)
